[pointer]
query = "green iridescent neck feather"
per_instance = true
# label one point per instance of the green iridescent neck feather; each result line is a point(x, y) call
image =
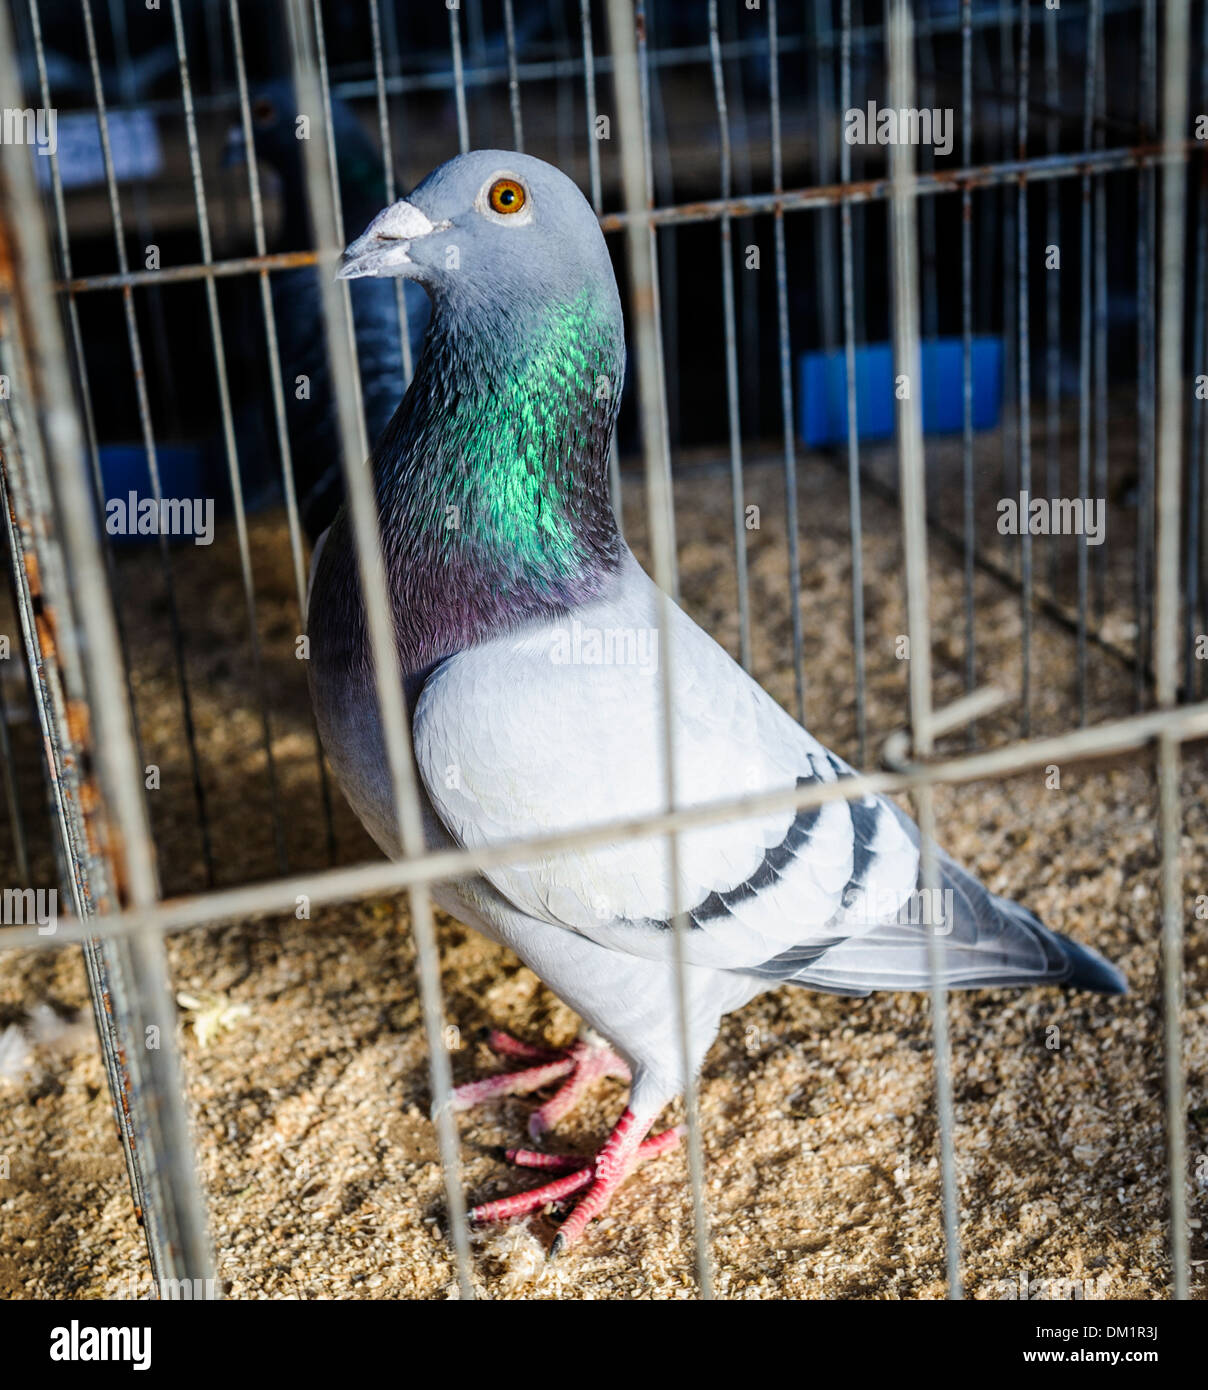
point(498, 456)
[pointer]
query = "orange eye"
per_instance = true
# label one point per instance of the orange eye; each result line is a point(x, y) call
point(506, 196)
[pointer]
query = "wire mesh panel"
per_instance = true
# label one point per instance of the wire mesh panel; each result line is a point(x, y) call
point(915, 300)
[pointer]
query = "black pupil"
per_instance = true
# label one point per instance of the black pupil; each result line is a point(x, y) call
point(507, 197)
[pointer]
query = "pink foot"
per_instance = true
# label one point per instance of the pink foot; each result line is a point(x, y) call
point(576, 1066)
point(624, 1150)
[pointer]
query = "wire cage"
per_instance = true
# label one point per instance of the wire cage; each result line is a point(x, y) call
point(1036, 264)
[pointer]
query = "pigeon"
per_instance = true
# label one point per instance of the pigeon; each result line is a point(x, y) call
point(306, 376)
point(531, 645)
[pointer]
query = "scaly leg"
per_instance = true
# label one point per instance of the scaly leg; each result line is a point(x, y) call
point(625, 1149)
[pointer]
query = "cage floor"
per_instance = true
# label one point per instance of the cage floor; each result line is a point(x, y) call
point(304, 1045)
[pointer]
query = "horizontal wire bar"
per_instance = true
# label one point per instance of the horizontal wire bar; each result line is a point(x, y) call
point(932, 181)
point(176, 274)
point(1182, 724)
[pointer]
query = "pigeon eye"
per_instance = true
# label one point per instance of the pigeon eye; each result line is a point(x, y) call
point(506, 196)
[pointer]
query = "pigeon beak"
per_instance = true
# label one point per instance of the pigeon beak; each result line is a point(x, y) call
point(382, 247)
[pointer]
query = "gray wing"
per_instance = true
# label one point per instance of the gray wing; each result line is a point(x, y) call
point(988, 941)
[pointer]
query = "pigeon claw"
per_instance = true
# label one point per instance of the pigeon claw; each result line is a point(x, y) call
point(576, 1067)
point(626, 1148)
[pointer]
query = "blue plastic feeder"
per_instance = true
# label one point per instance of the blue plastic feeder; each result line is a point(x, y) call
point(823, 390)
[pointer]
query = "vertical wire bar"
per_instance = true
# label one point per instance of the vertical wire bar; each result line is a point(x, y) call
point(641, 28)
point(1084, 370)
point(792, 520)
point(152, 1114)
point(748, 285)
point(824, 237)
point(309, 69)
point(123, 68)
point(1100, 311)
point(509, 31)
point(967, 472)
point(228, 433)
point(12, 797)
point(268, 313)
point(564, 92)
point(1025, 369)
point(1146, 333)
point(903, 202)
point(597, 202)
point(379, 77)
point(333, 182)
point(1052, 286)
point(1169, 481)
point(393, 59)
point(1195, 463)
point(459, 80)
point(144, 411)
point(666, 238)
point(1010, 446)
point(855, 518)
point(927, 210)
point(731, 345)
point(589, 91)
point(643, 278)
point(1199, 464)
point(477, 46)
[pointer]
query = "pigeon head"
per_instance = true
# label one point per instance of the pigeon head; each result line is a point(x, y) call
point(492, 476)
point(490, 228)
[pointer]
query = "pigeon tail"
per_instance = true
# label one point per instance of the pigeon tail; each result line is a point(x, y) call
point(1087, 968)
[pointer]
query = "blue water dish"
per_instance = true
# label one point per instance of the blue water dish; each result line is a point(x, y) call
point(823, 390)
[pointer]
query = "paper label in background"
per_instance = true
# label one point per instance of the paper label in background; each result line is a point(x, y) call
point(133, 140)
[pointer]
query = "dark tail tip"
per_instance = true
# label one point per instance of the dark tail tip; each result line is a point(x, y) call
point(1089, 970)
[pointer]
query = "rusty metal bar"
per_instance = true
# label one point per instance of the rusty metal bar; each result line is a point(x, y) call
point(95, 776)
